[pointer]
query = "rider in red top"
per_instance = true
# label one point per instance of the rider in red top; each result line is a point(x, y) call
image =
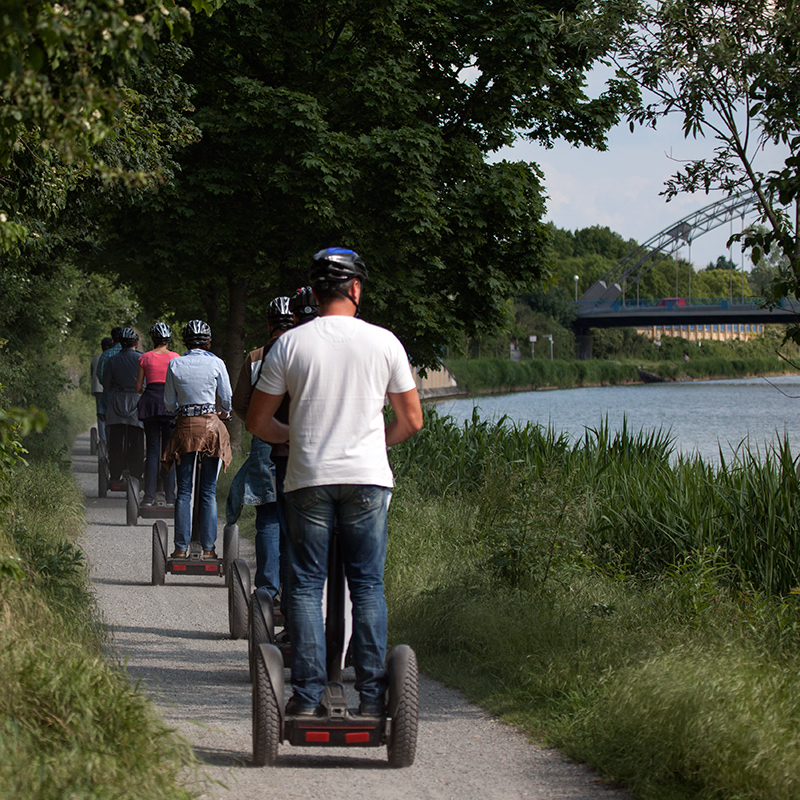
point(158, 422)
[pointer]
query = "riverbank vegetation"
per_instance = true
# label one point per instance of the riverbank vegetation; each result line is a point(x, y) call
point(637, 612)
point(70, 723)
point(622, 357)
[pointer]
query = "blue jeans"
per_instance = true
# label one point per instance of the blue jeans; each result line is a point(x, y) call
point(268, 548)
point(359, 514)
point(157, 431)
point(207, 499)
point(280, 475)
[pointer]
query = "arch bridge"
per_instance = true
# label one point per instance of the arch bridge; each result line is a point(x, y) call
point(607, 302)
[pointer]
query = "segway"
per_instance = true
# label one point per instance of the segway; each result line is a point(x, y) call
point(104, 482)
point(238, 593)
point(336, 725)
point(193, 562)
point(135, 510)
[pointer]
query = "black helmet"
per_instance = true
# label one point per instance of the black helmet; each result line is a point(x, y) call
point(106, 343)
point(336, 265)
point(161, 332)
point(303, 304)
point(128, 337)
point(279, 314)
point(115, 332)
point(196, 332)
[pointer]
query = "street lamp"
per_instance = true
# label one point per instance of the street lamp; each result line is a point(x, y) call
point(576, 288)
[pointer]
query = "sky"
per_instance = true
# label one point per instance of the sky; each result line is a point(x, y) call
point(620, 188)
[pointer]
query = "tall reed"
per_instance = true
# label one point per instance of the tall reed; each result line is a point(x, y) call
point(639, 505)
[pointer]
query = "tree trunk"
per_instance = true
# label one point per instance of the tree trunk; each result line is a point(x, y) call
point(233, 354)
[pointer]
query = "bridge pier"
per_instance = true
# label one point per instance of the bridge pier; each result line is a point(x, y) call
point(584, 341)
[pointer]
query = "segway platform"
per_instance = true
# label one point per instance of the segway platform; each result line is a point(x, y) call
point(337, 726)
point(134, 510)
point(193, 563)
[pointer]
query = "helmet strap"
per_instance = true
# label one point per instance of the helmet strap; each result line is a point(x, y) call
point(346, 294)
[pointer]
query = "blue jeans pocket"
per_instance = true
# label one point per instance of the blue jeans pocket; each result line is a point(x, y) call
point(368, 497)
point(303, 499)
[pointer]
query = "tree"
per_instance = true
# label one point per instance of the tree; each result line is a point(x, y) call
point(722, 262)
point(88, 102)
point(731, 70)
point(367, 125)
point(64, 89)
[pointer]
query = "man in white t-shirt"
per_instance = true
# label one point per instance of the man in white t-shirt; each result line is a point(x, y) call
point(338, 370)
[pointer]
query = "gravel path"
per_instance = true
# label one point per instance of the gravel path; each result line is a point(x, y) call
point(174, 640)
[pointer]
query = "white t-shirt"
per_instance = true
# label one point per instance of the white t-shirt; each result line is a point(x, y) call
point(337, 371)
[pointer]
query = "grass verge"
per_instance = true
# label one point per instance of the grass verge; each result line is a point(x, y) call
point(672, 673)
point(70, 725)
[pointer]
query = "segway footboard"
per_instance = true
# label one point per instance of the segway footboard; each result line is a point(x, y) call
point(337, 727)
point(194, 565)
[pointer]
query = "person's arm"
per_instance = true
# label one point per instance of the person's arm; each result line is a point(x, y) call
point(261, 420)
point(106, 379)
point(243, 390)
point(140, 379)
point(170, 394)
point(407, 416)
point(224, 391)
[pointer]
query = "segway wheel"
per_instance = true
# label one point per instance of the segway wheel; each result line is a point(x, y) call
point(160, 544)
point(102, 477)
point(132, 501)
point(230, 548)
point(403, 697)
point(238, 592)
point(93, 442)
point(266, 708)
point(262, 624)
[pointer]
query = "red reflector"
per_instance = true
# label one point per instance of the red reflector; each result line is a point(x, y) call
point(318, 736)
point(211, 567)
point(356, 738)
point(179, 567)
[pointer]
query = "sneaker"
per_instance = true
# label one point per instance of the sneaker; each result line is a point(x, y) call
point(294, 708)
point(370, 708)
point(178, 554)
point(146, 504)
point(209, 555)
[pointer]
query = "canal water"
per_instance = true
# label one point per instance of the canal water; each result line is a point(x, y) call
point(700, 416)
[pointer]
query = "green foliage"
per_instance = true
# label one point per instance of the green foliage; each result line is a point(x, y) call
point(368, 126)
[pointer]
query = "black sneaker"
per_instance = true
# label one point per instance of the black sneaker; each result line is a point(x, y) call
point(294, 708)
point(371, 709)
